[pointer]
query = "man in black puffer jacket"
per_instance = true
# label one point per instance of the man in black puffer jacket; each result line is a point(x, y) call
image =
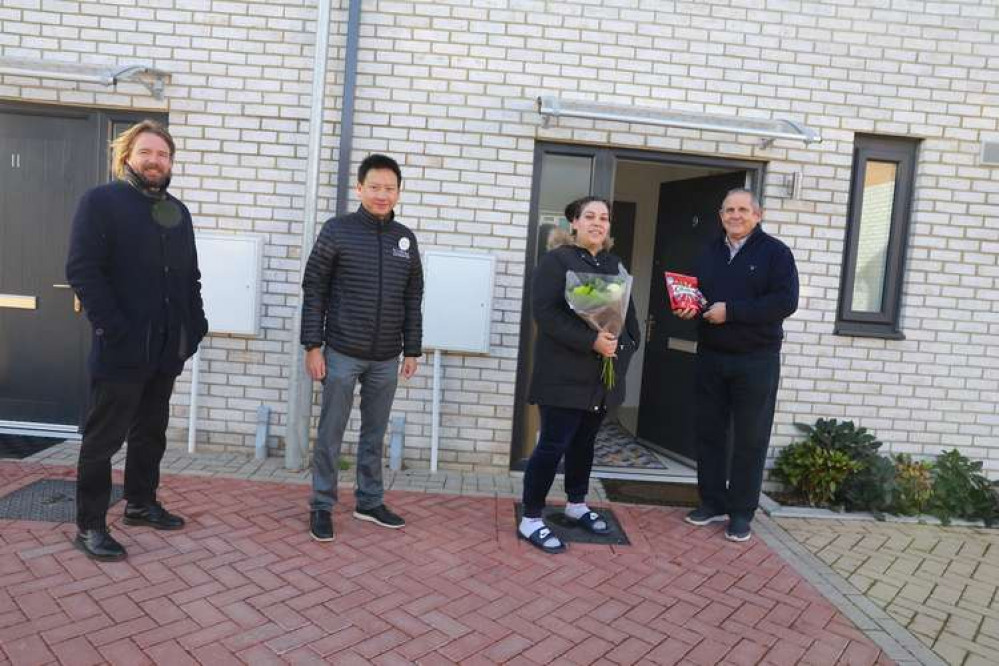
point(362, 292)
point(750, 281)
point(133, 265)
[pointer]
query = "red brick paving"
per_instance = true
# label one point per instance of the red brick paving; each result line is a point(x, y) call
point(244, 583)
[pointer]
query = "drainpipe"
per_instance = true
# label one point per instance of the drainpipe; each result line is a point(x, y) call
point(296, 445)
point(347, 109)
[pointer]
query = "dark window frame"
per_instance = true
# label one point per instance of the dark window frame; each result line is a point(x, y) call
point(885, 323)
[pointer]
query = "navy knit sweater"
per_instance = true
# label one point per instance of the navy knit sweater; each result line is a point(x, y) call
point(759, 288)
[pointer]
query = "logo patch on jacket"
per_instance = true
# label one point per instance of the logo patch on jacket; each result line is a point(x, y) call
point(403, 250)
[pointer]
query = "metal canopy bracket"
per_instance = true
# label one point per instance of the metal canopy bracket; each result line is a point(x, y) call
point(154, 80)
point(770, 129)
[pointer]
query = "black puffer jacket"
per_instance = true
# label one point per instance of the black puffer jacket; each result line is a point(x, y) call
point(362, 289)
point(566, 369)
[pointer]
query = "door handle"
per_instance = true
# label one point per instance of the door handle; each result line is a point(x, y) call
point(76, 299)
point(650, 324)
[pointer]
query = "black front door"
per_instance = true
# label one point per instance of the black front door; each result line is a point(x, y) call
point(46, 163)
point(49, 156)
point(687, 221)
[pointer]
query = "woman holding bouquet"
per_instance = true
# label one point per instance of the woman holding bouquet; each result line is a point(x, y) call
point(567, 383)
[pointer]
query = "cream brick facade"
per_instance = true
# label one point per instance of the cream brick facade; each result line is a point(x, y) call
point(447, 86)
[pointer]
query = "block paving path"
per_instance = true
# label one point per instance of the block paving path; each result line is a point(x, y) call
point(244, 583)
point(941, 583)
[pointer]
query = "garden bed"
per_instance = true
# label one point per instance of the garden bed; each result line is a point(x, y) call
point(776, 509)
point(837, 472)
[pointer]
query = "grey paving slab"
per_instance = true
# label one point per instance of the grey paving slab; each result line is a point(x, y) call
point(889, 635)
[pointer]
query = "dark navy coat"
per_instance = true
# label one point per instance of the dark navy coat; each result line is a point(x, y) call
point(138, 282)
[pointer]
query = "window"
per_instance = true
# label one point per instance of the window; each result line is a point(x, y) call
point(877, 228)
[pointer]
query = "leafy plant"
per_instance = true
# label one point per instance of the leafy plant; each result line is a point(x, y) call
point(960, 490)
point(872, 488)
point(857, 443)
point(915, 485)
point(813, 471)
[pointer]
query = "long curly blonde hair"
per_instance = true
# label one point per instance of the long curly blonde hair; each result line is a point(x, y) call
point(122, 146)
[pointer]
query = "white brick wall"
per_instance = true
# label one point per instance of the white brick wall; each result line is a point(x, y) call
point(446, 86)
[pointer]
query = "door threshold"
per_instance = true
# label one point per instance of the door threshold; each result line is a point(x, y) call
point(52, 430)
point(682, 476)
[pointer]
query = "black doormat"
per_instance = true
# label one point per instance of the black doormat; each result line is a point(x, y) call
point(650, 492)
point(49, 500)
point(554, 517)
point(19, 447)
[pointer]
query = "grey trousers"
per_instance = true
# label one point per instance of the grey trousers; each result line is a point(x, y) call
point(378, 381)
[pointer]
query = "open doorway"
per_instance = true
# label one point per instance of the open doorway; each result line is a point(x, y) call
point(665, 210)
point(675, 216)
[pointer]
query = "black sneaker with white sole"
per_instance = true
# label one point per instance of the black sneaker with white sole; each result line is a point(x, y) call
point(738, 529)
point(705, 515)
point(380, 515)
point(321, 525)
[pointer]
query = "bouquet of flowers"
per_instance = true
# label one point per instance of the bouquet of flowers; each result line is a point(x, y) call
point(602, 302)
point(683, 292)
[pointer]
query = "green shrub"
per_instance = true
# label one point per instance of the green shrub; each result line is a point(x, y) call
point(872, 488)
point(815, 472)
point(856, 443)
point(915, 485)
point(960, 490)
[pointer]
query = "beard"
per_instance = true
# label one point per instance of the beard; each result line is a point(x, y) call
point(151, 177)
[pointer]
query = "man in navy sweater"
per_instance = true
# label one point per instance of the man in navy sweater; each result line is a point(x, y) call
point(133, 264)
point(750, 281)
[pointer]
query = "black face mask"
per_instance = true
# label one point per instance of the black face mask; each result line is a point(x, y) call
point(165, 211)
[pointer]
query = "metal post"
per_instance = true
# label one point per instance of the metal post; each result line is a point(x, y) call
point(192, 413)
point(435, 412)
point(296, 443)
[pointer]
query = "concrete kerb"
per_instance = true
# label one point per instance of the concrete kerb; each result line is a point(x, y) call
point(775, 509)
point(889, 635)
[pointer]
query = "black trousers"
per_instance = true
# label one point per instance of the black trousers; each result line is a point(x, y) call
point(138, 412)
point(737, 390)
point(564, 432)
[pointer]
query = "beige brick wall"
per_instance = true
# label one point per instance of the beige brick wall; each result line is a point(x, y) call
point(447, 87)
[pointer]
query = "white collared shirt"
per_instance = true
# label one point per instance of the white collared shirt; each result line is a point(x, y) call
point(734, 246)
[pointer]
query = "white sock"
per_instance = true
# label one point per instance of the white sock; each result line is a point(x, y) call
point(577, 511)
point(529, 526)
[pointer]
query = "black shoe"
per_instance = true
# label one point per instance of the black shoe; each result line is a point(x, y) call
point(99, 545)
point(152, 515)
point(380, 515)
point(738, 529)
point(704, 515)
point(321, 526)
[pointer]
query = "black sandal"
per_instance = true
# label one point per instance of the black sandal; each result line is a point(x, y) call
point(588, 522)
point(539, 537)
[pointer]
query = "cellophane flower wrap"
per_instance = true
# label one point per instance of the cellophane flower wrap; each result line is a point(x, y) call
point(601, 300)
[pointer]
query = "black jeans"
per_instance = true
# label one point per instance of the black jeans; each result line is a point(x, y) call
point(741, 390)
point(138, 412)
point(564, 432)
